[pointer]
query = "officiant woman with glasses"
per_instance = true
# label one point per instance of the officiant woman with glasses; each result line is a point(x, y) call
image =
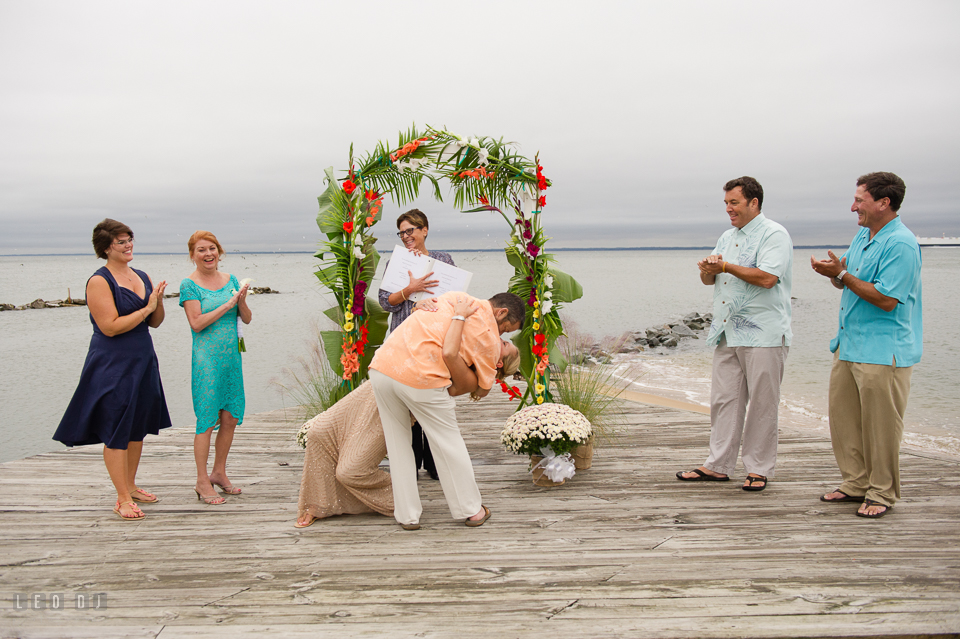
point(413, 228)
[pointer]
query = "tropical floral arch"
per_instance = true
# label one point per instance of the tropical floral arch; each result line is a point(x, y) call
point(485, 174)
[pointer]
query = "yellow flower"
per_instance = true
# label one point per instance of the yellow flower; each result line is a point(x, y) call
point(536, 303)
point(348, 316)
point(536, 326)
point(536, 312)
point(539, 400)
point(348, 326)
point(540, 389)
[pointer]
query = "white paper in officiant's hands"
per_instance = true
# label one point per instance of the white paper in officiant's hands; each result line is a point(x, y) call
point(396, 277)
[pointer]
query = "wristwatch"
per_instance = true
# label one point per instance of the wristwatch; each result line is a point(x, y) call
point(839, 276)
point(459, 317)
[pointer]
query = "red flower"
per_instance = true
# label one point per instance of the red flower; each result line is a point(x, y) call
point(348, 227)
point(371, 195)
point(543, 201)
point(484, 200)
point(349, 187)
point(539, 339)
point(541, 180)
point(363, 339)
point(533, 249)
point(527, 235)
point(513, 392)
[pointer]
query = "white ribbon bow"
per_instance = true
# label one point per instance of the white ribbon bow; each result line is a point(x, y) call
point(556, 467)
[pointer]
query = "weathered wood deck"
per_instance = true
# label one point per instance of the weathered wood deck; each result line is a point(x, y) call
point(623, 549)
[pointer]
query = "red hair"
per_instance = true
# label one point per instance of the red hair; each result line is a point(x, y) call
point(203, 235)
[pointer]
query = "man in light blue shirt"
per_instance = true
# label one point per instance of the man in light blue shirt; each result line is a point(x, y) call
point(879, 339)
point(751, 270)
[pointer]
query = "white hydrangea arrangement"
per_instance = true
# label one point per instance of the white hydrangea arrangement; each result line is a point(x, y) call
point(554, 426)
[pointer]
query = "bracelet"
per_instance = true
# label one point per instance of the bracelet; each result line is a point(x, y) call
point(402, 295)
point(724, 269)
point(459, 317)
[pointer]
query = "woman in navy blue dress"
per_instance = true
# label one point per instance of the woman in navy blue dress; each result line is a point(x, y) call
point(119, 398)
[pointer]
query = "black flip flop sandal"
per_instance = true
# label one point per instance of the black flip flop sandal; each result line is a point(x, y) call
point(845, 497)
point(701, 476)
point(870, 502)
point(751, 480)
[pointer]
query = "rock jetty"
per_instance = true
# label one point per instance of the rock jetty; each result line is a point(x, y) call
point(692, 326)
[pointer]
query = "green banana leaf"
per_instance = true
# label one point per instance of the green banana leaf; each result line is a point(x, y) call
point(376, 331)
point(332, 341)
point(565, 288)
point(326, 201)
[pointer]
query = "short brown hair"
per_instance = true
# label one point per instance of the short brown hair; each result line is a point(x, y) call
point(883, 184)
point(749, 187)
point(516, 310)
point(415, 217)
point(203, 235)
point(105, 233)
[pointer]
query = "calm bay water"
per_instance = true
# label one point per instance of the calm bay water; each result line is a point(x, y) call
point(43, 350)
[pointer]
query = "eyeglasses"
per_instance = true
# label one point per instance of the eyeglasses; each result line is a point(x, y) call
point(123, 243)
point(408, 232)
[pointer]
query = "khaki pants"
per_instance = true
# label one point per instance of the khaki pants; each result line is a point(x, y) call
point(867, 404)
point(744, 400)
point(434, 409)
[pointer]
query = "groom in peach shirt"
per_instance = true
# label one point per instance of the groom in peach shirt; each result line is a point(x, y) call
point(408, 376)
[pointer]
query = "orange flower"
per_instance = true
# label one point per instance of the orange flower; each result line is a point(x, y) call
point(349, 359)
point(478, 172)
point(351, 364)
point(370, 220)
point(407, 149)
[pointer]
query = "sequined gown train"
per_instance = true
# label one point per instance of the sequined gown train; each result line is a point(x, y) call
point(340, 468)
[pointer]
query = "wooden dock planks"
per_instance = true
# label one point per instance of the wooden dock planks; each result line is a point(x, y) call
point(623, 549)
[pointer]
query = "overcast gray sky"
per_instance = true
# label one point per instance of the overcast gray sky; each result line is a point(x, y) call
point(174, 116)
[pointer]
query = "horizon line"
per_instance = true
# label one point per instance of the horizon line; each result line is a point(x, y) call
point(387, 252)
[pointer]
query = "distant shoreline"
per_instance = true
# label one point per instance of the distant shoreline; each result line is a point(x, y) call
point(387, 252)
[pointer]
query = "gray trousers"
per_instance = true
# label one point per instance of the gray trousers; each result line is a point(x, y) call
point(744, 398)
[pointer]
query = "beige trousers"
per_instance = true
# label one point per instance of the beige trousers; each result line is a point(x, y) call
point(744, 404)
point(867, 404)
point(434, 409)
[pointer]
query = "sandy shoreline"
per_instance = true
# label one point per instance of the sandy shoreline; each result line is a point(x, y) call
point(658, 388)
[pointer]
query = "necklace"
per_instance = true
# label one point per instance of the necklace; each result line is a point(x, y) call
point(128, 276)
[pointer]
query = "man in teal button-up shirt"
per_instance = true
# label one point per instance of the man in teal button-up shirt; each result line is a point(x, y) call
point(879, 339)
point(751, 270)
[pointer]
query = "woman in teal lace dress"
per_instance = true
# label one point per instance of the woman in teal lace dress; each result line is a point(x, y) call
point(213, 302)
